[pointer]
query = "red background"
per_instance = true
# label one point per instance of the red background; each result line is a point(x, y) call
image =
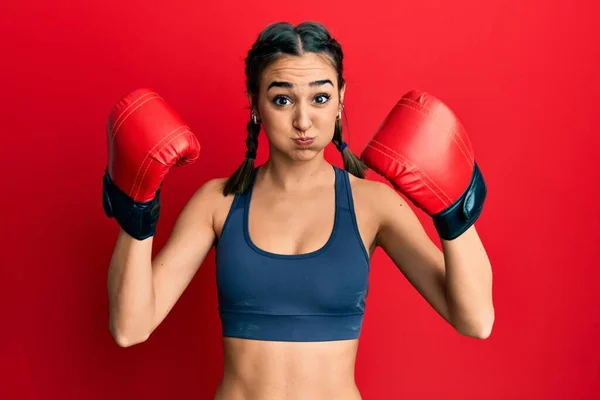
point(522, 76)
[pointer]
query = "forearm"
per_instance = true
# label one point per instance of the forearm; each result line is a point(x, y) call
point(469, 284)
point(131, 290)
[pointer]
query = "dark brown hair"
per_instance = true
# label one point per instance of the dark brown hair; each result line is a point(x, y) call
point(277, 39)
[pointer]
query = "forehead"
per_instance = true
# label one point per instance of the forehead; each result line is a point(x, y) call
point(300, 70)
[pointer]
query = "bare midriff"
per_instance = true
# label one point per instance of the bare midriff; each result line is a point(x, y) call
point(261, 370)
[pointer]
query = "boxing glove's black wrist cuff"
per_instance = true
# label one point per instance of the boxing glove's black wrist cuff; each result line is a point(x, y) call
point(460, 216)
point(138, 219)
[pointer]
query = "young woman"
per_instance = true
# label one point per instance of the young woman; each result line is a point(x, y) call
point(294, 236)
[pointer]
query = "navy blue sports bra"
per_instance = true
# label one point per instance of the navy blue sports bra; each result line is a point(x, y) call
point(316, 296)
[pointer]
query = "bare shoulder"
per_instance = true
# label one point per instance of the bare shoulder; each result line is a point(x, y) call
point(211, 190)
point(211, 198)
point(384, 210)
point(374, 201)
point(377, 198)
point(205, 203)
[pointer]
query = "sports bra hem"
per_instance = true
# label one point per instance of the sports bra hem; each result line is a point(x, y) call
point(223, 311)
point(291, 328)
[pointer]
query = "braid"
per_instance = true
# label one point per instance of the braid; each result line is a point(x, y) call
point(241, 179)
point(352, 163)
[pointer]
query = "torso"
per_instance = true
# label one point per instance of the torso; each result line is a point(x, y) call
point(291, 224)
point(258, 370)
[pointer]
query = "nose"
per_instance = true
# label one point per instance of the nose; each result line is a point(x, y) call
point(302, 118)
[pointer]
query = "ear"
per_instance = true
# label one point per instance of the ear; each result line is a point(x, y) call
point(252, 102)
point(342, 93)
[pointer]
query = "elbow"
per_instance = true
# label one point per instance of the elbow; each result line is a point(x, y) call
point(127, 338)
point(480, 333)
point(481, 329)
point(128, 341)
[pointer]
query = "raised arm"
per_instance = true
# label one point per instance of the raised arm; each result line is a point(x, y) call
point(455, 280)
point(143, 291)
point(146, 138)
point(425, 153)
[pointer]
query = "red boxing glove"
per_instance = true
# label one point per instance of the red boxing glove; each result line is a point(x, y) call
point(425, 153)
point(145, 139)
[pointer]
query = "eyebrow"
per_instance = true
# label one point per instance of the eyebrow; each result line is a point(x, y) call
point(289, 85)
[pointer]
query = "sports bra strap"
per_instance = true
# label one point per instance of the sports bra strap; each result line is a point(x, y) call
point(343, 197)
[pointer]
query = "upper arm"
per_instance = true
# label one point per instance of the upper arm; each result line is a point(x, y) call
point(186, 248)
point(406, 242)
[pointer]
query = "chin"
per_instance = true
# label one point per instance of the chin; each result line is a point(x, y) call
point(304, 154)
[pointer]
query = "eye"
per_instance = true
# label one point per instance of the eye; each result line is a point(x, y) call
point(280, 101)
point(322, 98)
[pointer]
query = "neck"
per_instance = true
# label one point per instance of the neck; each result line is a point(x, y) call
point(289, 174)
